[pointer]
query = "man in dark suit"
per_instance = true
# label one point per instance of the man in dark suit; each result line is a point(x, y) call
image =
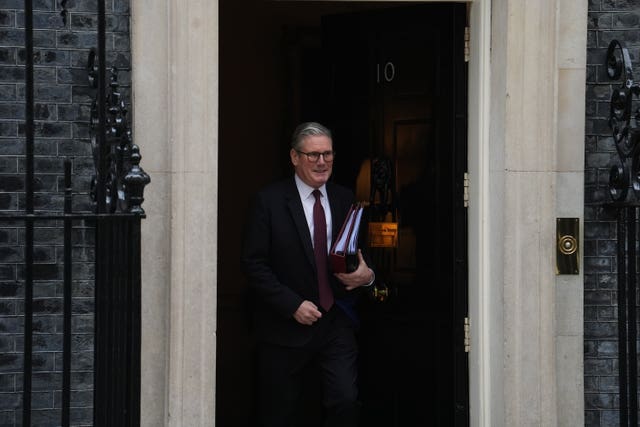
point(303, 312)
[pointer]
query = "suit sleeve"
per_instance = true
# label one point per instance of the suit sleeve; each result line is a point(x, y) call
point(256, 262)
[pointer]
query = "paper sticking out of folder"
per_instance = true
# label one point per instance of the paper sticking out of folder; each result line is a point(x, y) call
point(343, 255)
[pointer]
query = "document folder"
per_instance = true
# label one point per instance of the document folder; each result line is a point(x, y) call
point(344, 251)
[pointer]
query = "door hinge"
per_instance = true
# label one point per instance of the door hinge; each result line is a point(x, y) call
point(467, 335)
point(465, 194)
point(467, 37)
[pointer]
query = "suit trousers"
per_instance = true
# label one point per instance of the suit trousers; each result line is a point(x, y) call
point(333, 352)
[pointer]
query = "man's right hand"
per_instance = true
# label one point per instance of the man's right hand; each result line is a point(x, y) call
point(307, 313)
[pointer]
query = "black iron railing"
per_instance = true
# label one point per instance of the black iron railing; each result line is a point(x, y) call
point(622, 177)
point(117, 191)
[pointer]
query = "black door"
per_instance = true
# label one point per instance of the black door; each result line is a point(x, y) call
point(396, 91)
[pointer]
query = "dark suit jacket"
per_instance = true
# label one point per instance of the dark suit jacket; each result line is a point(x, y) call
point(278, 260)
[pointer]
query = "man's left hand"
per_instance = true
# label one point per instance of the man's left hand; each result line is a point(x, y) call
point(361, 276)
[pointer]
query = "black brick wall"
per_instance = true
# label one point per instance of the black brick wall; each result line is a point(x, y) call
point(608, 19)
point(63, 99)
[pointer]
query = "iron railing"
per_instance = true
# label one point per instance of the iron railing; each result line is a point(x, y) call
point(622, 177)
point(117, 191)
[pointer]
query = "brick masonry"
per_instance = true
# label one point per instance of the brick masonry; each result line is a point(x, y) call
point(62, 107)
point(608, 20)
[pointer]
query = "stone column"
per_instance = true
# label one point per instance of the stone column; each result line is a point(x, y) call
point(175, 83)
point(569, 327)
point(529, 205)
point(537, 143)
point(150, 76)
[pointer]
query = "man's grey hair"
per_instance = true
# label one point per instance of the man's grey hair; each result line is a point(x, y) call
point(306, 129)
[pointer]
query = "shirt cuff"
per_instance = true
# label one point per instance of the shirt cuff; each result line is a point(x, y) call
point(373, 278)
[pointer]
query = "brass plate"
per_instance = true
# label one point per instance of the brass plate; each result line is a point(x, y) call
point(383, 234)
point(567, 246)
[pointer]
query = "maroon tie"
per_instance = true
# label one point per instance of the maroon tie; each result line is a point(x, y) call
point(320, 251)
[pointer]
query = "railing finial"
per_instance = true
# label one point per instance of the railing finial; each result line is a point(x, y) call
point(125, 180)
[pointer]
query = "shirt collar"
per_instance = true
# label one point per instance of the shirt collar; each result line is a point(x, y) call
point(306, 190)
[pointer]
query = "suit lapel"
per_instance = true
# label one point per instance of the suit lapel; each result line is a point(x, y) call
point(337, 212)
point(297, 213)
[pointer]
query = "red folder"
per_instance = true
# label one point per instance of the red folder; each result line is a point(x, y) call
point(344, 250)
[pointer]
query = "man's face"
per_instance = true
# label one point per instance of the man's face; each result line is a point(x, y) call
point(314, 174)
